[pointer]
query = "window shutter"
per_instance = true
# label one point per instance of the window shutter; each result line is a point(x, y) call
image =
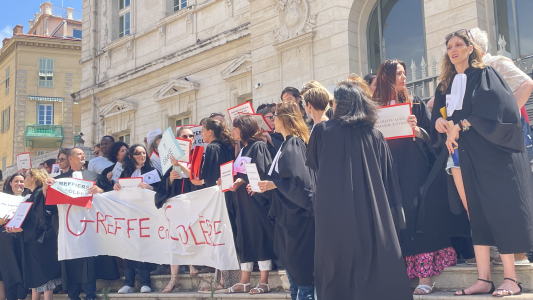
point(42, 63)
point(3, 112)
point(50, 69)
point(8, 117)
point(7, 80)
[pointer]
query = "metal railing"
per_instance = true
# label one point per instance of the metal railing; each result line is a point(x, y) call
point(63, 12)
point(44, 131)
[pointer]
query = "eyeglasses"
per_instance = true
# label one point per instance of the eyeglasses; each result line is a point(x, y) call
point(142, 153)
point(460, 31)
point(270, 117)
point(187, 136)
point(61, 159)
point(96, 152)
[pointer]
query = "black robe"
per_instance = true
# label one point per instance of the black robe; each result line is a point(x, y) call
point(254, 231)
point(277, 140)
point(102, 182)
point(292, 210)
point(357, 254)
point(166, 191)
point(87, 269)
point(495, 168)
point(39, 247)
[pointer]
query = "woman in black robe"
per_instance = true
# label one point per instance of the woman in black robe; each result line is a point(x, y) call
point(426, 253)
point(105, 180)
point(493, 174)
point(357, 254)
point(136, 163)
point(292, 185)
point(253, 230)
point(40, 267)
point(11, 249)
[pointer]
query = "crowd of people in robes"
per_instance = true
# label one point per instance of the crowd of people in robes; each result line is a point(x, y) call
point(341, 209)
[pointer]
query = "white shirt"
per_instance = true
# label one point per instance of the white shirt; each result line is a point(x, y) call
point(507, 69)
point(98, 164)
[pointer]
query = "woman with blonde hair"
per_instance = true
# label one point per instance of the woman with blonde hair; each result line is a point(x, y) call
point(492, 172)
point(292, 182)
point(316, 104)
point(360, 82)
point(313, 84)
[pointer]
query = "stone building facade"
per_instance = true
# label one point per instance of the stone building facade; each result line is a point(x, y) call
point(157, 63)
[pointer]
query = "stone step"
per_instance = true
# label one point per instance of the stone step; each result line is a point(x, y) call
point(185, 296)
point(450, 296)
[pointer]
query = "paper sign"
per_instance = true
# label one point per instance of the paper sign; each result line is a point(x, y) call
point(130, 183)
point(392, 121)
point(152, 134)
point(23, 161)
point(156, 161)
point(246, 108)
point(198, 139)
point(117, 171)
point(185, 146)
point(226, 176)
point(253, 177)
point(188, 126)
point(8, 205)
point(168, 146)
point(151, 177)
point(55, 169)
point(261, 122)
point(20, 215)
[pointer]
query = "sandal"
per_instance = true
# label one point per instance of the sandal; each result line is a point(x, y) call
point(509, 293)
point(489, 292)
point(260, 290)
point(207, 289)
point(174, 285)
point(231, 291)
point(426, 289)
point(193, 271)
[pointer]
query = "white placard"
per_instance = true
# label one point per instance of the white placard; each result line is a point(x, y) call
point(20, 215)
point(185, 146)
point(392, 121)
point(151, 177)
point(55, 170)
point(152, 134)
point(198, 139)
point(226, 176)
point(156, 161)
point(117, 171)
point(130, 183)
point(168, 146)
point(9, 204)
point(73, 187)
point(261, 122)
point(246, 108)
point(23, 161)
point(253, 177)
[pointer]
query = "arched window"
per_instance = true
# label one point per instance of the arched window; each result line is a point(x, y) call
point(396, 30)
point(514, 25)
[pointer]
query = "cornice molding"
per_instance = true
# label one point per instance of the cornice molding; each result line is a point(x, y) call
point(119, 42)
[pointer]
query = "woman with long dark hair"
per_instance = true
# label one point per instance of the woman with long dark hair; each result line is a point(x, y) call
point(292, 185)
point(254, 231)
point(10, 249)
point(427, 253)
point(117, 153)
point(41, 269)
point(356, 198)
point(493, 176)
point(371, 81)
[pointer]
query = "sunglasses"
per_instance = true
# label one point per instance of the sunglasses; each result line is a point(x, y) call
point(61, 159)
point(96, 152)
point(460, 31)
point(187, 136)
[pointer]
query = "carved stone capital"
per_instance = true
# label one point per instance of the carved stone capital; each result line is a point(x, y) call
point(294, 19)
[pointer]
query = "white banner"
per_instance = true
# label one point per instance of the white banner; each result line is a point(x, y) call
point(9, 204)
point(190, 229)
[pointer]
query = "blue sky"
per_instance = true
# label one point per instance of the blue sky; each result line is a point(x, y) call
point(21, 11)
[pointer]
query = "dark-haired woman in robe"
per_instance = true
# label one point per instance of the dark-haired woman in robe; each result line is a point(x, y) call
point(10, 249)
point(427, 253)
point(493, 177)
point(254, 231)
point(41, 269)
point(357, 254)
point(137, 163)
point(292, 184)
point(105, 180)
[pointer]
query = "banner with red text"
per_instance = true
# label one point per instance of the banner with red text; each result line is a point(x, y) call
point(190, 229)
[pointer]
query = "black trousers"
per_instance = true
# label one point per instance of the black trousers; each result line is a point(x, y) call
point(16, 291)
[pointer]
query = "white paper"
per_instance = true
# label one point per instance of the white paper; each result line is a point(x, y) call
point(168, 146)
point(242, 108)
point(392, 121)
point(261, 122)
point(152, 134)
point(129, 183)
point(226, 176)
point(73, 187)
point(253, 177)
point(151, 177)
point(185, 146)
point(198, 139)
point(55, 169)
point(8, 205)
point(20, 215)
point(23, 161)
point(156, 161)
point(117, 171)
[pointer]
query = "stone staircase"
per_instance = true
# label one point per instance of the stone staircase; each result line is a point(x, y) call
point(450, 280)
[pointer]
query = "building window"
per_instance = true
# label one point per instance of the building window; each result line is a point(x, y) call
point(514, 27)
point(46, 72)
point(392, 35)
point(183, 121)
point(124, 17)
point(45, 114)
point(7, 81)
point(124, 138)
point(76, 33)
point(179, 4)
point(5, 119)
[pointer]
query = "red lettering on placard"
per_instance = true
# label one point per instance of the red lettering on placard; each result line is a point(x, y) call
point(100, 221)
point(129, 228)
point(109, 225)
point(204, 231)
point(194, 237)
point(161, 228)
point(173, 238)
point(116, 224)
point(141, 228)
point(184, 231)
point(217, 232)
point(81, 221)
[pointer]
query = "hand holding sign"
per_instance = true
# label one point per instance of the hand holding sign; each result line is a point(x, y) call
point(23, 161)
point(168, 146)
point(392, 121)
point(20, 215)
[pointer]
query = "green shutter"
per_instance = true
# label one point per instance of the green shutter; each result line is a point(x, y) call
point(46, 72)
point(3, 112)
point(7, 81)
point(8, 117)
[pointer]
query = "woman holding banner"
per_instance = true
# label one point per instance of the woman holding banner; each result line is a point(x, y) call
point(41, 269)
point(117, 153)
point(10, 249)
point(413, 160)
point(254, 230)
